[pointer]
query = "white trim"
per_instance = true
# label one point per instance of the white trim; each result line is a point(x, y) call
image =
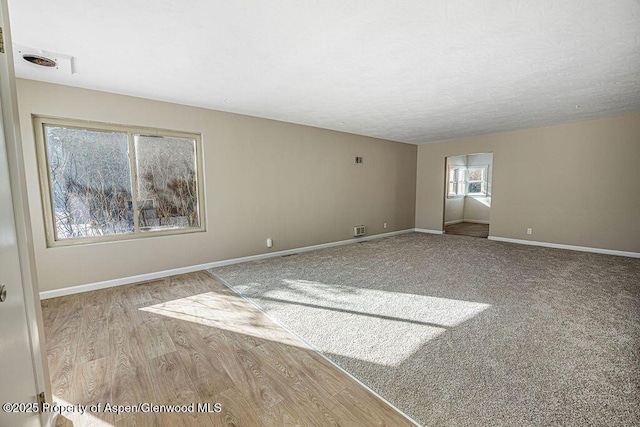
point(189, 269)
point(311, 346)
point(424, 230)
point(118, 282)
point(569, 247)
point(457, 221)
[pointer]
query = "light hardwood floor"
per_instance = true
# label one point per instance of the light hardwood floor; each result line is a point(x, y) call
point(189, 339)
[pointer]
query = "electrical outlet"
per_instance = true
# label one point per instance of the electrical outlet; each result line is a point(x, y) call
point(269, 242)
point(529, 230)
point(384, 225)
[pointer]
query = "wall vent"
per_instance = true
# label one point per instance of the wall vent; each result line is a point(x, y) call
point(358, 231)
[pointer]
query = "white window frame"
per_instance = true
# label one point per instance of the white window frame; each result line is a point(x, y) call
point(483, 181)
point(458, 184)
point(461, 184)
point(39, 123)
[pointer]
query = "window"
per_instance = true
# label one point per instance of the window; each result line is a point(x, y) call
point(477, 180)
point(467, 181)
point(106, 182)
point(457, 181)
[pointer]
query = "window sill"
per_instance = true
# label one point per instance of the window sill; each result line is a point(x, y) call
point(143, 234)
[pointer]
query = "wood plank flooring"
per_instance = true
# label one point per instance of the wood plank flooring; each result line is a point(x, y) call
point(189, 339)
point(468, 229)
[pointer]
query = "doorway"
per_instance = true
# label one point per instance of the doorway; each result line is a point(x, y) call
point(467, 199)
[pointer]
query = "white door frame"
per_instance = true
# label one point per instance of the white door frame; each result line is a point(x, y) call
point(16, 165)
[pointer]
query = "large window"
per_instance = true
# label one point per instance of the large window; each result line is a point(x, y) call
point(106, 182)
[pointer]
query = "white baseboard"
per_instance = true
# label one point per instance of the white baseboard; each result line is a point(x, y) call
point(424, 230)
point(189, 269)
point(457, 221)
point(119, 282)
point(569, 247)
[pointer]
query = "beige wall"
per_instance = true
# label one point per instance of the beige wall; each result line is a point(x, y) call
point(574, 184)
point(477, 209)
point(296, 184)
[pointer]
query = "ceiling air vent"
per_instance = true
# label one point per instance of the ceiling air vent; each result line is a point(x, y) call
point(39, 60)
point(36, 61)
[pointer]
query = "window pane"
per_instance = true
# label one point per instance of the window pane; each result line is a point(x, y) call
point(476, 174)
point(90, 182)
point(475, 187)
point(166, 182)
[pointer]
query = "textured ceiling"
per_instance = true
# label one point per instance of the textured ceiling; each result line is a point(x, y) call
point(414, 71)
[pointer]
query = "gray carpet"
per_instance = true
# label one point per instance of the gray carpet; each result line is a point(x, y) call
point(458, 331)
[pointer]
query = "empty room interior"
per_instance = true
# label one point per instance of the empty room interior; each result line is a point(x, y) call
point(320, 213)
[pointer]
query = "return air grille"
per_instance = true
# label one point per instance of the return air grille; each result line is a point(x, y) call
point(358, 231)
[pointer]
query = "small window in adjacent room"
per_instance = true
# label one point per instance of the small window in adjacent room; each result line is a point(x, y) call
point(106, 182)
point(476, 181)
point(457, 182)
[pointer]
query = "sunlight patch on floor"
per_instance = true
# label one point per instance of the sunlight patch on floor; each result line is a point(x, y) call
point(227, 312)
point(376, 340)
point(374, 325)
point(420, 308)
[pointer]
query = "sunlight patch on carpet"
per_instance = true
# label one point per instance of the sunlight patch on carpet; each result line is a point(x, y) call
point(376, 326)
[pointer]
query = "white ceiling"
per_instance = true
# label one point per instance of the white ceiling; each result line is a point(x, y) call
point(413, 71)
